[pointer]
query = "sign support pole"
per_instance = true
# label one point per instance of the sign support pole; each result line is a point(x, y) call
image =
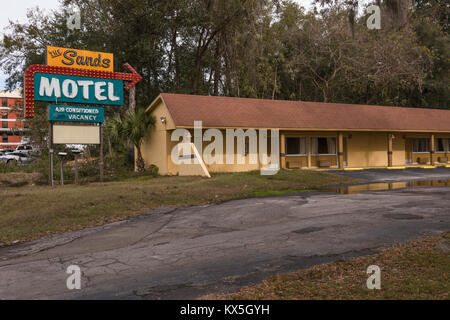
point(62, 171)
point(50, 152)
point(76, 168)
point(101, 155)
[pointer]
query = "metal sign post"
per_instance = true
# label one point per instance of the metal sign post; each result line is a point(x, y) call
point(51, 166)
point(61, 164)
point(50, 151)
point(76, 168)
point(61, 170)
point(100, 162)
point(75, 154)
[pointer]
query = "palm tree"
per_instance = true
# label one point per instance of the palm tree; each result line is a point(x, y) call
point(134, 126)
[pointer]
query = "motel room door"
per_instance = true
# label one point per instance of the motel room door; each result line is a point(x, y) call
point(345, 152)
point(408, 150)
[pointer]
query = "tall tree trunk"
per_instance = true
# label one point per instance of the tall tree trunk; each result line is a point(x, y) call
point(131, 109)
point(177, 60)
point(275, 83)
point(196, 76)
point(217, 67)
point(140, 163)
point(110, 149)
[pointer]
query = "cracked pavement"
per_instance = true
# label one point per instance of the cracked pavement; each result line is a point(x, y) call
point(185, 252)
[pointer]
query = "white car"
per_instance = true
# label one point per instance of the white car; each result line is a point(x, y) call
point(16, 157)
point(25, 149)
point(5, 151)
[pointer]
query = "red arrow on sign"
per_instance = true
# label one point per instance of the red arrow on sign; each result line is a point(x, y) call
point(132, 77)
point(135, 76)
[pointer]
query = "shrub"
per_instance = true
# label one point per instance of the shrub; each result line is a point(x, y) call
point(8, 167)
point(152, 170)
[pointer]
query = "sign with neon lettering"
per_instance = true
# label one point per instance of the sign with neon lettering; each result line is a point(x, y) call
point(74, 89)
point(49, 71)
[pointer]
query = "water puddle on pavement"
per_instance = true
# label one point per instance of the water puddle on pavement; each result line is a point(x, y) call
point(382, 186)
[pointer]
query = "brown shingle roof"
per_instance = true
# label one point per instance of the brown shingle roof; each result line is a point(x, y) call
point(257, 113)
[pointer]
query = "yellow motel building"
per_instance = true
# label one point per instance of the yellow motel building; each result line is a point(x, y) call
point(312, 135)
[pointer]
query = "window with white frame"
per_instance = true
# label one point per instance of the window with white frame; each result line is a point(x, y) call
point(421, 145)
point(323, 146)
point(442, 145)
point(295, 146)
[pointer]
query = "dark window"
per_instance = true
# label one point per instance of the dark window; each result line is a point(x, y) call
point(4, 102)
point(5, 138)
point(295, 145)
point(440, 147)
point(323, 145)
point(4, 124)
point(421, 145)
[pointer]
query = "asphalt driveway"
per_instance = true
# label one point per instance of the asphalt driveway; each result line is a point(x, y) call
point(182, 253)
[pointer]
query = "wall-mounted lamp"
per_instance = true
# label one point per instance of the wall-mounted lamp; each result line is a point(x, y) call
point(392, 136)
point(163, 120)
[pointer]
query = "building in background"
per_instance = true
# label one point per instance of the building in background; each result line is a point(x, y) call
point(312, 135)
point(12, 126)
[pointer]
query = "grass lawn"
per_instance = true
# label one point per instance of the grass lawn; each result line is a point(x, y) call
point(419, 269)
point(30, 211)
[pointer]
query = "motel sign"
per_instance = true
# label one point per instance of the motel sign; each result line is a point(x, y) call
point(74, 89)
point(81, 77)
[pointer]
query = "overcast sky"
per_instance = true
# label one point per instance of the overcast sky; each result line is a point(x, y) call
point(16, 10)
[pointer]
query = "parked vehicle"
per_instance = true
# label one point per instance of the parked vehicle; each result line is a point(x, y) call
point(17, 158)
point(27, 149)
point(5, 151)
